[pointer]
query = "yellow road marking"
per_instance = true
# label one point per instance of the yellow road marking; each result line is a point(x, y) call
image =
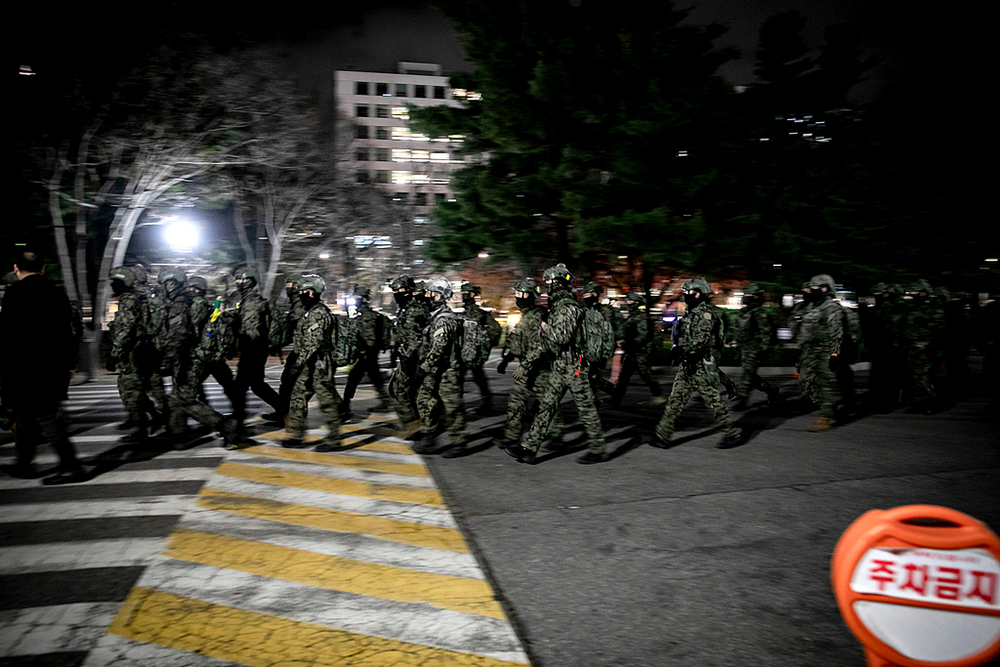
point(344, 487)
point(342, 461)
point(370, 445)
point(471, 596)
point(406, 532)
point(262, 640)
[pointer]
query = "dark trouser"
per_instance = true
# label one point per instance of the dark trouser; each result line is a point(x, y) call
point(636, 363)
point(479, 378)
point(367, 363)
point(38, 421)
point(287, 382)
point(250, 376)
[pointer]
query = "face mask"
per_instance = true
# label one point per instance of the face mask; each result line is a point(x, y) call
point(469, 300)
point(308, 300)
point(118, 286)
point(402, 298)
point(171, 288)
point(692, 300)
point(523, 303)
point(245, 286)
point(590, 301)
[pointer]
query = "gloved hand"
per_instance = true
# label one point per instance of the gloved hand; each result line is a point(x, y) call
point(111, 364)
point(502, 367)
point(518, 372)
point(834, 363)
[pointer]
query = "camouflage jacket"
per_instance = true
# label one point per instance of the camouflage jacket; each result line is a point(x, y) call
point(698, 333)
point(558, 337)
point(753, 328)
point(615, 319)
point(819, 324)
point(441, 343)
point(485, 320)
point(253, 325)
point(408, 330)
point(201, 310)
point(176, 336)
point(127, 329)
point(636, 337)
point(283, 326)
point(313, 337)
point(922, 324)
point(154, 310)
point(525, 342)
point(374, 329)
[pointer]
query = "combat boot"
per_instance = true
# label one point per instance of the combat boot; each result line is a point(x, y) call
point(294, 443)
point(593, 457)
point(454, 452)
point(655, 441)
point(730, 441)
point(230, 430)
point(330, 445)
point(773, 394)
point(522, 454)
point(426, 445)
point(822, 425)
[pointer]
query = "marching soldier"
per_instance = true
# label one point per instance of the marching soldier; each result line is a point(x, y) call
point(474, 311)
point(407, 333)
point(754, 331)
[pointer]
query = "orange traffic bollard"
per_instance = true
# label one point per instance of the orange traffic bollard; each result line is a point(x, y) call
point(918, 585)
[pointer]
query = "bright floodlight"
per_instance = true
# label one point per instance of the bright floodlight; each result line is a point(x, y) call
point(181, 235)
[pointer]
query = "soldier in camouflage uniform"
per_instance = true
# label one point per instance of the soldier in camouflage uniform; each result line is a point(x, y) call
point(282, 330)
point(638, 346)
point(441, 388)
point(253, 328)
point(697, 335)
point(881, 325)
point(486, 321)
point(591, 294)
point(373, 335)
point(177, 340)
point(562, 340)
point(407, 333)
point(753, 334)
point(524, 343)
point(819, 330)
point(921, 327)
point(146, 355)
point(201, 312)
point(127, 333)
point(314, 368)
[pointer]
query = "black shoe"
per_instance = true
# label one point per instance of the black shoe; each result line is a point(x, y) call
point(66, 477)
point(156, 421)
point(741, 404)
point(454, 452)
point(730, 441)
point(773, 395)
point(504, 442)
point(522, 454)
point(593, 457)
point(346, 416)
point(294, 443)
point(655, 441)
point(330, 447)
point(553, 444)
point(426, 445)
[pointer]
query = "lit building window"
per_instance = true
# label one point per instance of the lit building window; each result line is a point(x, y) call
point(402, 177)
point(420, 156)
point(421, 220)
point(401, 133)
point(440, 180)
point(456, 138)
point(401, 113)
point(440, 158)
point(368, 241)
point(420, 179)
point(419, 241)
point(400, 155)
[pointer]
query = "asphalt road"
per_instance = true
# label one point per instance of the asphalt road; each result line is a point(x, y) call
point(701, 556)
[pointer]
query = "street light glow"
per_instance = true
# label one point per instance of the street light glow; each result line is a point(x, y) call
point(181, 235)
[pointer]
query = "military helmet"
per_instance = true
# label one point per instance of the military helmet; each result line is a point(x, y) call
point(294, 280)
point(140, 274)
point(470, 287)
point(823, 280)
point(311, 282)
point(636, 297)
point(699, 284)
point(894, 288)
point(592, 288)
point(174, 274)
point(753, 289)
point(403, 282)
point(920, 286)
point(879, 288)
point(198, 282)
point(362, 292)
point(558, 273)
point(441, 286)
point(248, 273)
point(527, 285)
point(419, 285)
point(124, 274)
point(942, 293)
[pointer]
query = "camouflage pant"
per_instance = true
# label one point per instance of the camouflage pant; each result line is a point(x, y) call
point(479, 378)
point(401, 391)
point(314, 381)
point(147, 364)
point(132, 392)
point(563, 377)
point(750, 380)
point(637, 363)
point(816, 380)
point(517, 407)
point(918, 373)
point(184, 403)
point(689, 379)
point(439, 391)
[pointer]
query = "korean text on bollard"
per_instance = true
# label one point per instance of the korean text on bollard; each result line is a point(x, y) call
point(918, 585)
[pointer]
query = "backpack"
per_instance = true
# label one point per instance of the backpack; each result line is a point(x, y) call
point(598, 337)
point(473, 341)
point(218, 341)
point(493, 327)
point(279, 334)
point(346, 350)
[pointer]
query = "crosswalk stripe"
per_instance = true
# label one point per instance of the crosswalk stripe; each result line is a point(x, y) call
point(384, 528)
point(335, 573)
point(403, 511)
point(77, 555)
point(376, 491)
point(65, 628)
point(124, 477)
point(420, 624)
point(91, 509)
point(261, 640)
point(369, 448)
point(356, 547)
point(342, 460)
point(334, 471)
